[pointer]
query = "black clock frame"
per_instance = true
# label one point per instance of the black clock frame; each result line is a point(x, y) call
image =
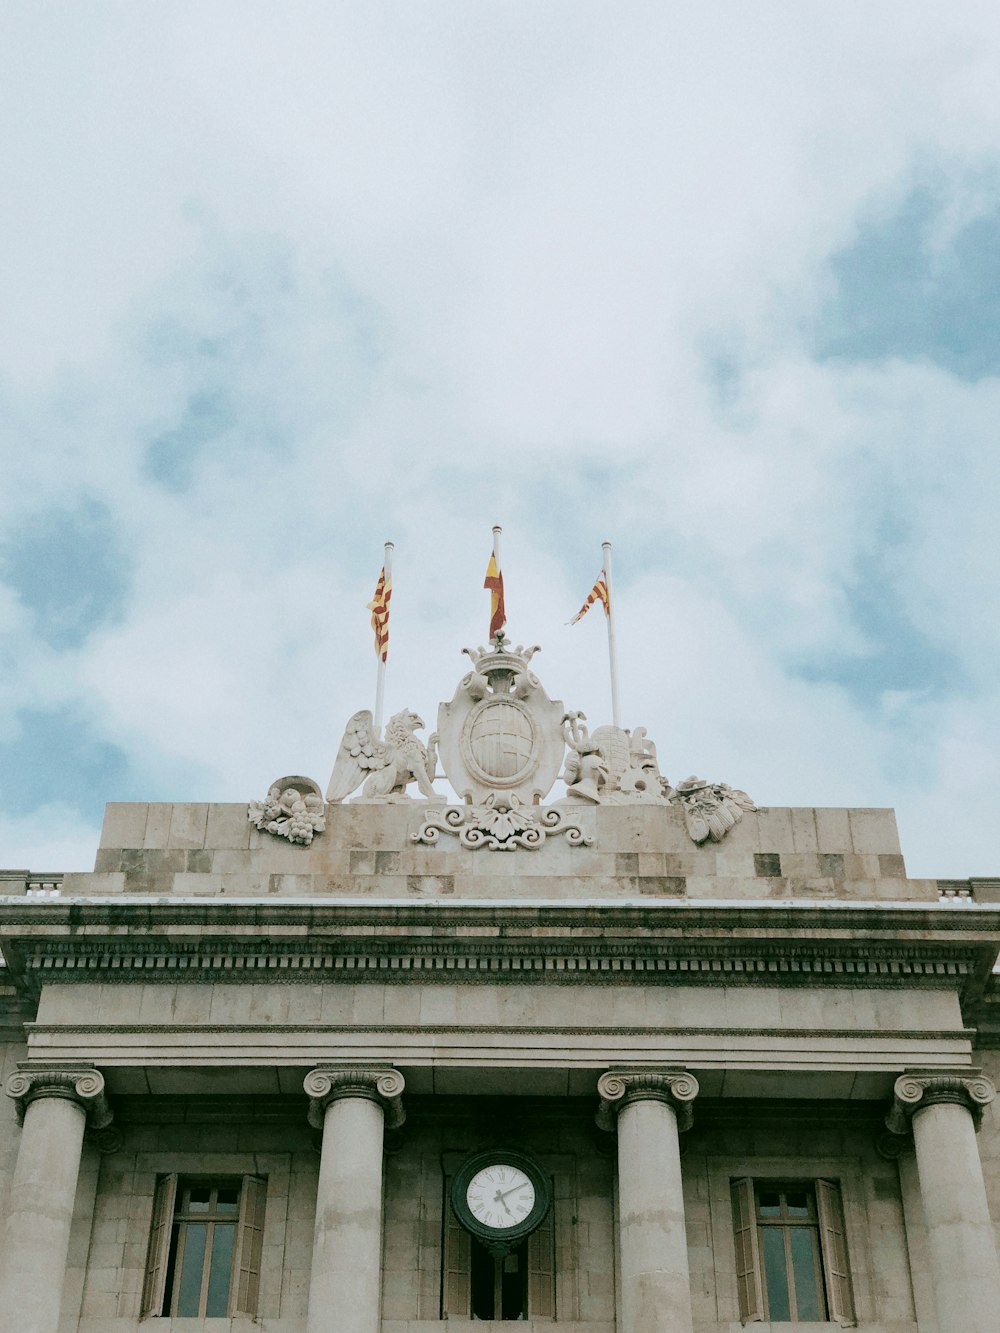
point(500, 1240)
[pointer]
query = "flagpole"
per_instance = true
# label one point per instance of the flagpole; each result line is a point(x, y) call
point(497, 530)
point(612, 655)
point(380, 686)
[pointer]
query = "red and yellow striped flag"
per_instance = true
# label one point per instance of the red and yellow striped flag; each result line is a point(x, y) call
point(494, 581)
point(598, 593)
point(379, 607)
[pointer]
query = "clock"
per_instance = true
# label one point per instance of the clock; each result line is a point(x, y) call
point(500, 1196)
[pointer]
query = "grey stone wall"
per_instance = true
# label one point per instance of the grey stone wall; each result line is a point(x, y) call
point(368, 851)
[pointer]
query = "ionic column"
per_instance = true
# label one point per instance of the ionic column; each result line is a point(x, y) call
point(53, 1108)
point(352, 1106)
point(651, 1108)
point(944, 1108)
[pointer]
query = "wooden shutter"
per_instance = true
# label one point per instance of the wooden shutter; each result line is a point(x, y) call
point(456, 1265)
point(244, 1286)
point(749, 1271)
point(833, 1242)
point(542, 1270)
point(155, 1282)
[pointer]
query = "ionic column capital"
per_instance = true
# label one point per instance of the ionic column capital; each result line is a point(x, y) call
point(81, 1084)
point(917, 1088)
point(382, 1084)
point(621, 1087)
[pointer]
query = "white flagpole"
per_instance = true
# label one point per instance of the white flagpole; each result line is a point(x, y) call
point(380, 686)
point(615, 707)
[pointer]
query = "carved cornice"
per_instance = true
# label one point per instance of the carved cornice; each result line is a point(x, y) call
point(916, 1090)
point(621, 1087)
point(328, 1084)
point(81, 1084)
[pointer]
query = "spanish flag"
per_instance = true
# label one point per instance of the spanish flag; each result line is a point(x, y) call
point(494, 581)
point(379, 607)
point(598, 593)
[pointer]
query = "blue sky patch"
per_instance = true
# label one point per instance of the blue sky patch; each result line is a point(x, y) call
point(900, 658)
point(901, 294)
point(67, 566)
point(56, 757)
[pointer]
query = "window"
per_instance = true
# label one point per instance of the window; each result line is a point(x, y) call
point(791, 1252)
point(205, 1247)
point(475, 1285)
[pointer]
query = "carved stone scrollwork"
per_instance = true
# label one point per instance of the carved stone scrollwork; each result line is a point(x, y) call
point(619, 1087)
point(83, 1086)
point(329, 1083)
point(913, 1091)
point(502, 823)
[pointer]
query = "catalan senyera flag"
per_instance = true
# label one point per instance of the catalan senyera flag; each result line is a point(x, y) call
point(598, 593)
point(494, 581)
point(379, 607)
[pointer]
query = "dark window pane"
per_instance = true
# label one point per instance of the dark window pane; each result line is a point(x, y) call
point(805, 1265)
point(773, 1239)
point(228, 1200)
point(798, 1203)
point(199, 1199)
point(769, 1202)
point(189, 1293)
point(222, 1267)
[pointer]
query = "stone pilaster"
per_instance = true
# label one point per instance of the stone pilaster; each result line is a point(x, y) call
point(352, 1105)
point(650, 1108)
point(54, 1106)
point(943, 1108)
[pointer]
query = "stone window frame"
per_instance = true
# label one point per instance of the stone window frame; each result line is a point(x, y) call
point(847, 1172)
point(273, 1168)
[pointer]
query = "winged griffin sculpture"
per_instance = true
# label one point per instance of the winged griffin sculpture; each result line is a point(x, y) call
point(386, 767)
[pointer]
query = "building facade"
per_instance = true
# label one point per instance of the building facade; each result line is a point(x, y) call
point(385, 1066)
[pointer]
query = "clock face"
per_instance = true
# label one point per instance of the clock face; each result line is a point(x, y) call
point(500, 1196)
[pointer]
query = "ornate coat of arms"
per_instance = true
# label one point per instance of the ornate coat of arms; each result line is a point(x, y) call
point(501, 733)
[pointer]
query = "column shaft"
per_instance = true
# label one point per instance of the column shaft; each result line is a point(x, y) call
point(35, 1241)
point(345, 1287)
point(655, 1285)
point(964, 1267)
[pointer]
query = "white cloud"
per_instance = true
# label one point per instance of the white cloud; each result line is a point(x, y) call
point(466, 265)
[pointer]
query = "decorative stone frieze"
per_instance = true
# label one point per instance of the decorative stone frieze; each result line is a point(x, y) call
point(328, 1084)
point(915, 1090)
point(502, 823)
point(621, 1087)
point(85, 1086)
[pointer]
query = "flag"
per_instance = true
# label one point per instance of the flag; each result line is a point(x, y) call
point(379, 607)
point(494, 581)
point(598, 593)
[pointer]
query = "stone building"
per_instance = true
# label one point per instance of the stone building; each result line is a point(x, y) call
point(644, 1060)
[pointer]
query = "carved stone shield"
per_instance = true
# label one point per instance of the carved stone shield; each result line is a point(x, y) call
point(502, 737)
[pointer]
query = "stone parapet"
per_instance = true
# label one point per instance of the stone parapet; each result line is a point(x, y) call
point(375, 850)
point(619, 1088)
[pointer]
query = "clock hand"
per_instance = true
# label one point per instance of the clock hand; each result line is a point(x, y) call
point(500, 1198)
point(503, 1196)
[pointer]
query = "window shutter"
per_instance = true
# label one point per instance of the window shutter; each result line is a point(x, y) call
point(155, 1282)
point(456, 1285)
point(749, 1271)
point(542, 1270)
point(244, 1286)
point(833, 1242)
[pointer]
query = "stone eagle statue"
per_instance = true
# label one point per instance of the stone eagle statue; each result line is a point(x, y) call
point(385, 766)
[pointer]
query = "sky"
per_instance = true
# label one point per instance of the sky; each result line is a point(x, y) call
point(717, 282)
